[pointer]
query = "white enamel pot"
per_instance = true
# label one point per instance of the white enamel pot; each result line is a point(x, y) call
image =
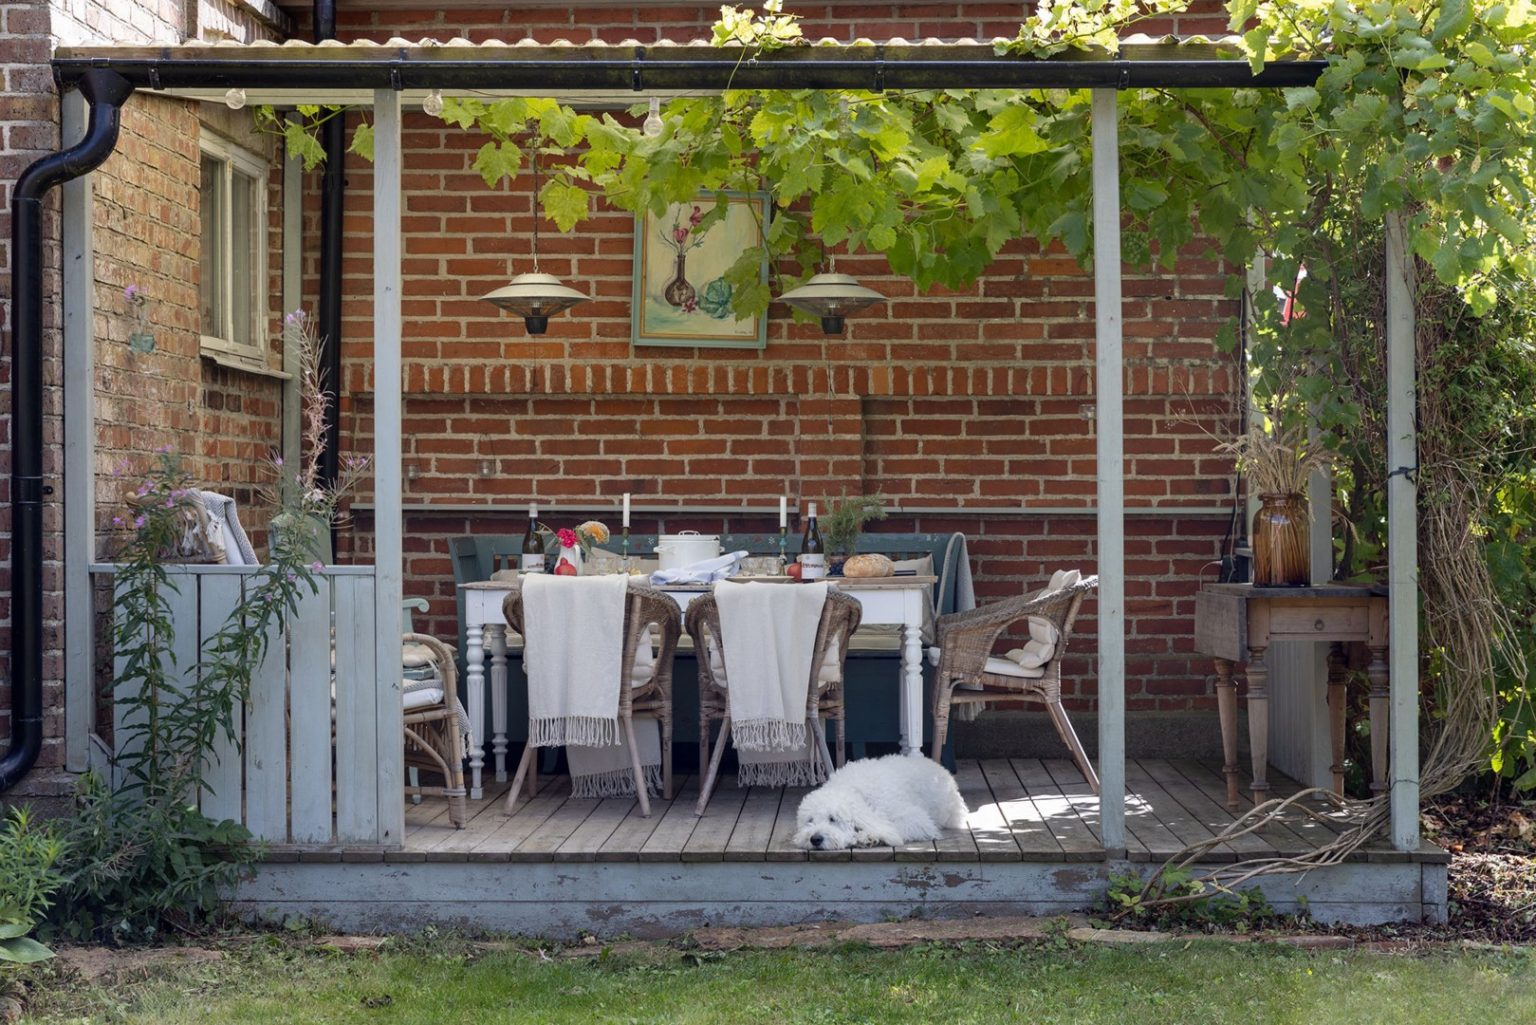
point(674, 551)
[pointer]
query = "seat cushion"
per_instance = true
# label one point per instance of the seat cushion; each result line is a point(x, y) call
point(1033, 655)
point(1008, 667)
point(413, 699)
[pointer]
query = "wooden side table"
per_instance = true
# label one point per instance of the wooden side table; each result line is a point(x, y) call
point(1238, 622)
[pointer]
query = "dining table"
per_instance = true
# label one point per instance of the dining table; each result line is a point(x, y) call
point(898, 601)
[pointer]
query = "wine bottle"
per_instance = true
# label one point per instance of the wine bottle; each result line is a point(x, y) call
point(533, 544)
point(813, 556)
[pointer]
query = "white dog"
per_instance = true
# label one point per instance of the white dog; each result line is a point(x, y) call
point(880, 801)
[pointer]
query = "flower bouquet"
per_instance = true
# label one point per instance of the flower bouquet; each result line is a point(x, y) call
point(576, 545)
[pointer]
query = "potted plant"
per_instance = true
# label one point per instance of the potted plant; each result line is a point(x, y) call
point(1278, 457)
point(844, 522)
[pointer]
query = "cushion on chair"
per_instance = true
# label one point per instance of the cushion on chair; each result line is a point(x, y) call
point(1008, 667)
point(1033, 655)
point(413, 699)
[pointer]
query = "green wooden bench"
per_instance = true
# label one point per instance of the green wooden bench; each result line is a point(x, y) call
point(872, 658)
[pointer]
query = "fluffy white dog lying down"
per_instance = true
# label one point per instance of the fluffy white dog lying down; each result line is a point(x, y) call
point(880, 801)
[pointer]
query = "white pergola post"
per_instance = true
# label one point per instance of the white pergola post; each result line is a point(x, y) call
point(1402, 541)
point(1109, 431)
point(386, 459)
point(79, 480)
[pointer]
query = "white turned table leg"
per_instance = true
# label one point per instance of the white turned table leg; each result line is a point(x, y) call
point(912, 684)
point(474, 657)
point(499, 699)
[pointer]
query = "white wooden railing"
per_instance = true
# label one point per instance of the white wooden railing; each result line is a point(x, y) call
point(311, 743)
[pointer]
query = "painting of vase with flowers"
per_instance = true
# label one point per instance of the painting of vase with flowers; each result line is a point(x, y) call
point(682, 293)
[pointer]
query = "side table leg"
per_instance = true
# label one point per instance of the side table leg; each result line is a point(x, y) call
point(474, 658)
point(1338, 706)
point(1258, 722)
point(1380, 703)
point(499, 699)
point(1226, 704)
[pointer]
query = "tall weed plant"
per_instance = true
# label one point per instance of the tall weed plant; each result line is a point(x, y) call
point(140, 855)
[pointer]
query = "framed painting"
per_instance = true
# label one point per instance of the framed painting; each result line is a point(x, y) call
point(681, 296)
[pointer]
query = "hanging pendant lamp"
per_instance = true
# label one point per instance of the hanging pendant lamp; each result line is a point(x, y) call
point(832, 297)
point(535, 296)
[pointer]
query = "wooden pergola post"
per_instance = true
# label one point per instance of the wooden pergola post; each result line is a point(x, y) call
point(1109, 379)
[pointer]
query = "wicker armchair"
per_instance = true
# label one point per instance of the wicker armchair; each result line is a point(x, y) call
point(434, 737)
point(645, 608)
point(839, 619)
point(969, 673)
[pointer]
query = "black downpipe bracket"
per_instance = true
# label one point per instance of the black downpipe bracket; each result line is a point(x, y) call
point(106, 91)
point(333, 187)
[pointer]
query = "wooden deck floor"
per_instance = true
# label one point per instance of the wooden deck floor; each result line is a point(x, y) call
point(1022, 810)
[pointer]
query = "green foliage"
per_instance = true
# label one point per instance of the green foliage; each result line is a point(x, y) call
point(1511, 551)
point(138, 866)
point(844, 521)
point(28, 879)
point(1175, 898)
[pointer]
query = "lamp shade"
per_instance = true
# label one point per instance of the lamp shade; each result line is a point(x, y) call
point(832, 297)
point(535, 297)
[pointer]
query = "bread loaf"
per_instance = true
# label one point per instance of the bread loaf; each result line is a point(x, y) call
point(868, 566)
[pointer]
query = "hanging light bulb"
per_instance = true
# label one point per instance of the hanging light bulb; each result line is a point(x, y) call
point(535, 296)
point(235, 98)
point(433, 104)
point(653, 123)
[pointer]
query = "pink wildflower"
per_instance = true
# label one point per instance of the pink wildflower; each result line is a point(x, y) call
point(277, 460)
point(138, 523)
point(567, 537)
point(131, 293)
point(680, 235)
point(695, 217)
point(316, 566)
point(117, 521)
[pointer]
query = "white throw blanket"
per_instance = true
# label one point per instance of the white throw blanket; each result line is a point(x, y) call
point(608, 771)
point(224, 530)
point(708, 571)
point(768, 638)
point(573, 632)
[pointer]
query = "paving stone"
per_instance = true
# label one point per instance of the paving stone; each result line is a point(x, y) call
point(1121, 937)
point(352, 944)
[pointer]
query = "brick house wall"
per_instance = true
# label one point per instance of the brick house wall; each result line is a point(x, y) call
point(970, 411)
point(145, 233)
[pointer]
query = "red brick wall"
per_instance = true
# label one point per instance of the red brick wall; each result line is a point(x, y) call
point(950, 404)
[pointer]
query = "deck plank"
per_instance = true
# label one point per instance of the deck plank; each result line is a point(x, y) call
point(1057, 812)
point(1208, 811)
point(626, 842)
point(676, 825)
point(708, 839)
point(487, 827)
point(754, 828)
point(587, 839)
point(779, 846)
point(1180, 828)
point(1309, 832)
point(989, 827)
point(555, 830)
point(1018, 810)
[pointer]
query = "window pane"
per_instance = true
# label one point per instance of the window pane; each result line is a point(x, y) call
point(211, 248)
point(243, 260)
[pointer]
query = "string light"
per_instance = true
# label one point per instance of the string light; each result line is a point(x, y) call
point(433, 104)
point(235, 98)
point(653, 124)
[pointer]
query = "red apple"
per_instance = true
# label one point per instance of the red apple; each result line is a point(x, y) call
point(563, 568)
point(793, 570)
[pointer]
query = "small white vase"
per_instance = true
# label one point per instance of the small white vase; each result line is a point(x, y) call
point(571, 554)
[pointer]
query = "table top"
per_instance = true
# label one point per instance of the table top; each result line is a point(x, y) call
point(841, 583)
point(1320, 591)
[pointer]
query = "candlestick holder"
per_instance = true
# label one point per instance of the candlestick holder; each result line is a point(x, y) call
point(783, 562)
point(625, 549)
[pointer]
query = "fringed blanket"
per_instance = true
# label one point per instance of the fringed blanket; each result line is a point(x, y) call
point(768, 640)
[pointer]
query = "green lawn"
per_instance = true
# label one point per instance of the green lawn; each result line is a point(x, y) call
point(1188, 984)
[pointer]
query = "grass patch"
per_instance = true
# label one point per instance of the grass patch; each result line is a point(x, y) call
point(274, 982)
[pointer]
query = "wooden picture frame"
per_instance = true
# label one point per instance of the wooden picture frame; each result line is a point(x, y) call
point(680, 298)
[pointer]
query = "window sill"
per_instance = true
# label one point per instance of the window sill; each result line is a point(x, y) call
point(245, 366)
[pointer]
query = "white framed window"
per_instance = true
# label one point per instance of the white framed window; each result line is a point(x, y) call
point(232, 251)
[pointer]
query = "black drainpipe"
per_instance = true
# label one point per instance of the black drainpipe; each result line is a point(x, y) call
point(106, 91)
point(332, 193)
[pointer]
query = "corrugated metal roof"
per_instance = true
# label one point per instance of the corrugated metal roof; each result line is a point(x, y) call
point(694, 65)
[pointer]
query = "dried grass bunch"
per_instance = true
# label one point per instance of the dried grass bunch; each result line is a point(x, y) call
point(1278, 455)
